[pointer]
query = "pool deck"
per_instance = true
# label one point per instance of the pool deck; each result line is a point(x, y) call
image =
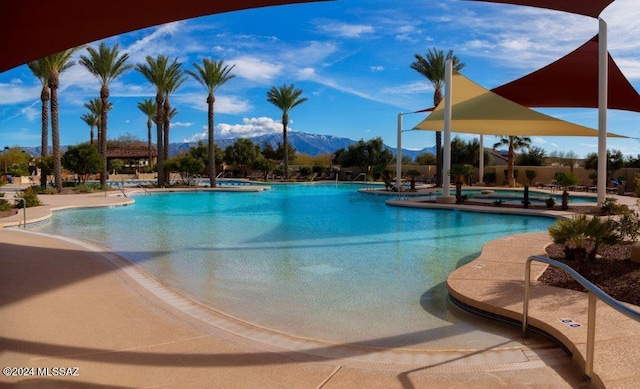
point(66, 303)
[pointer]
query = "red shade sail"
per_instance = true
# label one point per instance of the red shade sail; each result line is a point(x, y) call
point(591, 8)
point(572, 81)
point(32, 29)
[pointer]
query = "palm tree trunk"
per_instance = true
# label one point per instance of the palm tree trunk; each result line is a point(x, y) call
point(159, 132)
point(511, 180)
point(149, 124)
point(285, 142)
point(55, 133)
point(44, 142)
point(167, 124)
point(211, 157)
point(104, 95)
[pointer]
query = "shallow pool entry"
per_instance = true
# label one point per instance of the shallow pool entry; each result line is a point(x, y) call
point(317, 261)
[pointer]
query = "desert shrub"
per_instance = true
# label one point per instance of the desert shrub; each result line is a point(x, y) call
point(30, 196)
point(610, 206)
point(86, 188)
point(550, 202)
point(489, 177)
point(5, 205)
point(627, 225)
point(582, 236)
point(531, 175)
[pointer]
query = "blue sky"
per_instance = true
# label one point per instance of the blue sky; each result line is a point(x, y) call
point(351, 59)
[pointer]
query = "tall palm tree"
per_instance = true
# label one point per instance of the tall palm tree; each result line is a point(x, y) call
point(92, 121)
point(175, 79)
point(95, 109)
point(212, 74)
point(158, 71)
point(40, 70)
point(432, 66)
point(149, 108)
point(286, 98)
point(56, 65)
point(106, 64)
point(514, 143)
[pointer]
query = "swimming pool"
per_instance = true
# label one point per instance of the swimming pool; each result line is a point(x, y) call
point(318, 261)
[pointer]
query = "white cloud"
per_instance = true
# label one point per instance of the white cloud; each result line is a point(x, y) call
point(538, 140)
point(250, 127)
point(224, 104)
point(30, 113)
point(376, 69)
point(253, 68)
point(15, 92)
point(554, 145)
point(181, 124)
point(344, 30)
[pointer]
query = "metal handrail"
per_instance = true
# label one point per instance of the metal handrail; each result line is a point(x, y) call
point(593, 291)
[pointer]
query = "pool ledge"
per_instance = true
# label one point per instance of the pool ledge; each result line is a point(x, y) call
point(494, 283)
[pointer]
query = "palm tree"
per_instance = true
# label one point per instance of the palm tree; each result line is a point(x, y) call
point(92, 121)
point(175, 79)
point(158, 72)
point(286, 98)
point(211, 75)
point(149, 108)
point(106, 64)
point(56, 64)
point(39, 69)
point(514, 143)
point(95, 109)
point(432, 66)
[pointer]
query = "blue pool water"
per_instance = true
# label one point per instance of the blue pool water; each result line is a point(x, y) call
point(320, 261)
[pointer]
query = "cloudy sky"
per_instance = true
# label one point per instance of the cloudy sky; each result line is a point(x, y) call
point(350, 58)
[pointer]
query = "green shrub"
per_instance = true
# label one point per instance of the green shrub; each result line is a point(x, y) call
point(627, 226)
point(610, 206)
point(489, 177)
point(4, 205)
point(582, 236)
point(30, 196)
point(550, 202)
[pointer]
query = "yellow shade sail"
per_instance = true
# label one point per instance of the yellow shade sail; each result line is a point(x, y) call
point(477, 110)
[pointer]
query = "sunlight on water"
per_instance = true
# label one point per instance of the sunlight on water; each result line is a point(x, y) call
point(320, 261)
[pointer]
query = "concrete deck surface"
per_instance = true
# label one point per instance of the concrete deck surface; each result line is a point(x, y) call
point(67, 304)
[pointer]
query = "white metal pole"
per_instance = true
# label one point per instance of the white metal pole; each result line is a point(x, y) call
point(481, 163)
point(399, 154)
point(603, 73)
point(446, 155)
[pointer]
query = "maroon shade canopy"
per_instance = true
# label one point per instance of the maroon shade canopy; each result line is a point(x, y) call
point(32, 29)
point(572, 81)
point(591, 8)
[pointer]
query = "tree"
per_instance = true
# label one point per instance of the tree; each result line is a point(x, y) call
point(82, 160)
point(370, 156)
point(432, 66)
point(615, 161)
point(106, 64)
point(563, 158)
point(187, 166)
point(242, 154)
point(39, 68)
point(57, 64)
point(565, 180)
point(212, 74)
point(534, 156)
point(95, 110)
point(158, 72)
point(264, 165)
point(201, 152)
point(426, 159)
point(286, 98)
point(174, 80)
point(514, 143)
point(461, 172)
point(149, 108)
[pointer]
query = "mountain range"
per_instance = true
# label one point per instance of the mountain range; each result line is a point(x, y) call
point(310, 144)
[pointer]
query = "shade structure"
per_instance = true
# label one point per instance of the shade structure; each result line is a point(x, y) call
point(572, 81)
point(32, 29)
point(477, 110)
point(591, 8)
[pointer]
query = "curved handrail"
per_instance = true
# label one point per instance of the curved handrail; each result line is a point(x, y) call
point(593, 291)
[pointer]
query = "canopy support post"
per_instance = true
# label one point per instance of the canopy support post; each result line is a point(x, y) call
point(603, 73)
point(446, 155)
point(481, 161)
point(399, 154)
